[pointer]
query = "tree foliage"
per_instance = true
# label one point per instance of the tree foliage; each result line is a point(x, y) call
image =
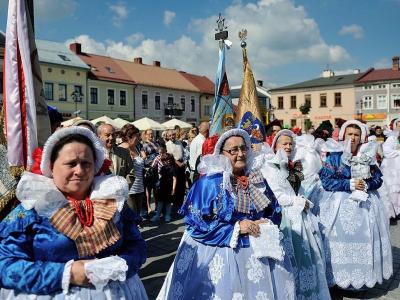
point(305, 108)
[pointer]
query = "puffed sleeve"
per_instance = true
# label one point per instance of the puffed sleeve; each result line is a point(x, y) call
point(389, 148)
point(133, 245)
point(335, 176)
point(375, 182)
point(18, 268)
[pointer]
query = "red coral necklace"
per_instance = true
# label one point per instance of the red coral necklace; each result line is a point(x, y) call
point(84, 211)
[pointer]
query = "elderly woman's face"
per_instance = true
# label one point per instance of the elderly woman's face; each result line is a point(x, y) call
point(286, 143)
point(235, 149)
point(73, 170)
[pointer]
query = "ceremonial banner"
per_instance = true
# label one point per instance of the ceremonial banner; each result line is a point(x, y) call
point(222, 113)
point(25, 109)
point(248, 116)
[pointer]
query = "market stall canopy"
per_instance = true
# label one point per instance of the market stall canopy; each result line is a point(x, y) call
point(145, 123)
point(71, 121)
point(104, 119)
point(119, 122)
point(173, 122)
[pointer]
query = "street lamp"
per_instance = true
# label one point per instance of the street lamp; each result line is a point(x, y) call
point(359, 105)
point(77, 96)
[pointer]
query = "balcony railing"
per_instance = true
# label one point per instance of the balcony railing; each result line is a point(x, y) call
point(173, 111)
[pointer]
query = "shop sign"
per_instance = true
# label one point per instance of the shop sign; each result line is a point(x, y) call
point(299, 116)
point(322, 117)
point(371, 116)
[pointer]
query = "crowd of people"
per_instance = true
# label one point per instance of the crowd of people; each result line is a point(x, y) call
point(302, 213)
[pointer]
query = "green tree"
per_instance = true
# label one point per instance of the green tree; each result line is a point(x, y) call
point(305, 108)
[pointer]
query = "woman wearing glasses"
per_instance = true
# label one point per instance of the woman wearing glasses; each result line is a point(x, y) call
point(231, 249)
point(299, 226)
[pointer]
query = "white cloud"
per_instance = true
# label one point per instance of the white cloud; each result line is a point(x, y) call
point(279, 34)
point(383, 63)
point(355, 30)
point(168, 17)
point(89, 45)
point(134, 38)
point(121, 13)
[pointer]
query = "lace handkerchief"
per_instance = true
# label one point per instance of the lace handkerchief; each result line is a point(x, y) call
point(267, 243)
point(101, 271)
point(359, 196)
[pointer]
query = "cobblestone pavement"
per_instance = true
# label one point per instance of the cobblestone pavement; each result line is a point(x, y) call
point(163, 240)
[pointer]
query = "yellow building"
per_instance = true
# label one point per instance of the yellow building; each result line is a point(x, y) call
point(64, 78)
point(331, 98)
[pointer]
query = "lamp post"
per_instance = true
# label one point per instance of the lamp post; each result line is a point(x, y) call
point(359, 105)
point(77, 96)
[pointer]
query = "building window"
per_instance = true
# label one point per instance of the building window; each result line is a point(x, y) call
point(367, 87)
point(396, 100)
point(293, 122)
point(382, 101)
point(145, 103)
point(280, 102)
point(192, 105)
point(307, 99)
point(396, 85)
point(367, 102)
point(183, 100)
point(322, 98)
point(207, 110)
point(381, 86)
point(48, 91)
point(62, 92)
point(64, 58)
point(110, 70)
point(94, 95)
point(122, 98)
point(157, 101)
point(111, 97)
point(170, 99)
point(338, 99)
point(292, 101)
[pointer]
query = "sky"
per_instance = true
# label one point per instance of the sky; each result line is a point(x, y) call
point(288, 41)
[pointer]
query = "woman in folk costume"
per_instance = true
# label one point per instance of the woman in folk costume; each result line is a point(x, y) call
point(354, 223)
point(307, 152)
point(391, 165)
point(230, 249)
point(72, 236)
point(299, 225)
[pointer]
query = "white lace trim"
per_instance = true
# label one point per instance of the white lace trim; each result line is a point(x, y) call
point(332, 146)
point(39, 192)
point(352, 184)
point(359, 196)
point(66, 278)
point(101, 271)
point(235, 235)
point(268, 242)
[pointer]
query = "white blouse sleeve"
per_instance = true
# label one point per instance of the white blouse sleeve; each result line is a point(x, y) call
point(389, 148)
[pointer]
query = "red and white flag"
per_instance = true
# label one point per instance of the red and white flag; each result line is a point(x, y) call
point(25, 109)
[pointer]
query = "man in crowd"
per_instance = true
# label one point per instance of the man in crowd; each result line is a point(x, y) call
point(196, 145)
point(273, 127)
point(122, 164)
point(175, 148)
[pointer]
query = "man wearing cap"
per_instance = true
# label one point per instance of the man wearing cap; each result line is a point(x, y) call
point(273, 127)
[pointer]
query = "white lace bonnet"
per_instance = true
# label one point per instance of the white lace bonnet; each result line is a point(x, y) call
point(63, 132)
point(395, 131)
point(228, 134)
point(359, 124)
point(286, 132)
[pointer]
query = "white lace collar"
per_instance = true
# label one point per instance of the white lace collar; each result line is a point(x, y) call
point(40, 193)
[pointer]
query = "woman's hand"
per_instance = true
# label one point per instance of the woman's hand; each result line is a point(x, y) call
point(359, 184)
point(78, 276)
point(250, 227)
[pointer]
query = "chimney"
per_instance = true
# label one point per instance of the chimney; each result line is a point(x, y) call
point(137, 60)
point(259, 82)
point(395, 63)
point(156, 63)
point(76, 48)
point(328, 74)
point(356, 71)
